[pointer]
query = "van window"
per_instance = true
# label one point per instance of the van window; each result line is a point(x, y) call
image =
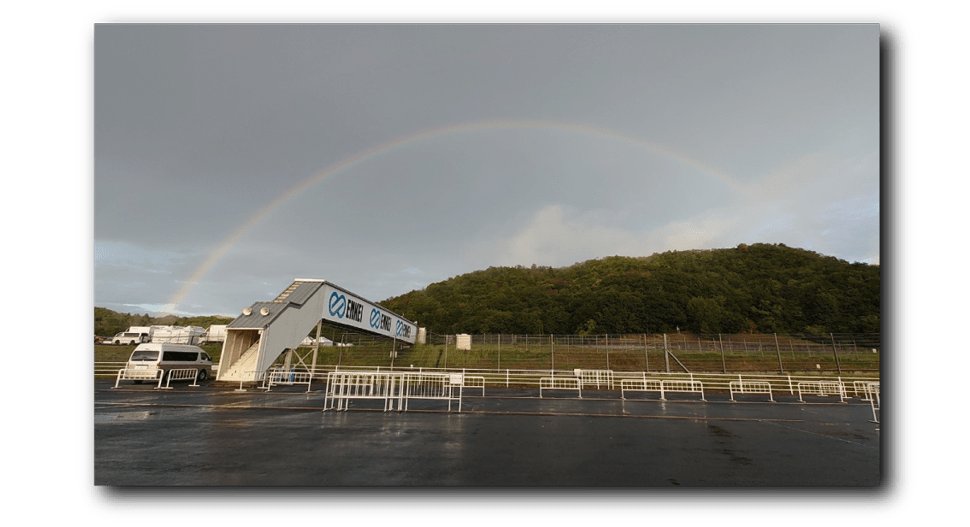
point(144, 355)
point(185, 356)
point(206, 357)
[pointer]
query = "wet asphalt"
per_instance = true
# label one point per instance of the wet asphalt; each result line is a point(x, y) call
point(212, 435)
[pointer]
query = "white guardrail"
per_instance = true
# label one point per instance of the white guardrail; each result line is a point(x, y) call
point(561, 383)
point(391, 387)
point(663, 386)
point(822, 388)
point(742, 387)
point(772, 385)
point(287, 378)
point(181, 375)
point(140, 375)
point(156, 374)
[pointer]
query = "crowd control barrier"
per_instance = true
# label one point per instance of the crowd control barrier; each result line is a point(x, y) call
point(872, 395)
point(139, 375)
point(433, 386)
point(598, 378)
point(742, 387)
point(473, 381)
point(821, 388)
point(181, 375)
point(561, 383)
point(391, 387)
point(287, 378)
point(664, 386)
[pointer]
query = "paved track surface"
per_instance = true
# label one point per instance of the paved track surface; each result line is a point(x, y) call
point(215, 436)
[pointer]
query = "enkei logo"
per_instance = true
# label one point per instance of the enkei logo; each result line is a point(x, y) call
point(379, 320)
point(338, 305)
point(341, 306)
point(403, 330)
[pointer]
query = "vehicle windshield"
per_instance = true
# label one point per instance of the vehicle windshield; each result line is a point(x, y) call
point(144, 355)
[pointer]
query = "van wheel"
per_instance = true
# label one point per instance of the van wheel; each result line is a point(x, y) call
point(203, 375)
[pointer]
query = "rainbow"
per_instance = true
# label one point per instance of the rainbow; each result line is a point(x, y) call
point(410, 139)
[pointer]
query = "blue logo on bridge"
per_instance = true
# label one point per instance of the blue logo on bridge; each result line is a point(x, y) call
point(338, 305)
point(399, 328)
point(375, 319)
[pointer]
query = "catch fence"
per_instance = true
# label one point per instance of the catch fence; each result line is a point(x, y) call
point(683, 352)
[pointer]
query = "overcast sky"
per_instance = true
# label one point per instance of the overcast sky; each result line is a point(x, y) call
point(231, 159)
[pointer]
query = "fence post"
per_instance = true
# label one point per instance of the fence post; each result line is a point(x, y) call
point(499, 367)
point(836, 353)
point(777, 349)
point(646, 359)
point(552, 346)
point(607, 351)
point(723, 364)
point(666, 352)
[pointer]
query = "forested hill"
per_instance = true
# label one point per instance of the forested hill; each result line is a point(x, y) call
point(759, 288)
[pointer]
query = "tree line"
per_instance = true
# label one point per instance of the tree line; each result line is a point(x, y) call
point(758, 288)
point(108, 323)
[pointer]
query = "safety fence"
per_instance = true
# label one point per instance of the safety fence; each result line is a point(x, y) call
point(870, 393)
point(181, 375)
point(139, 375)
point(287, 378)
point(661, 386)
point(839, 353)
point(561, 383)
point(821, 388)
point(602, 382)
point(391, 388)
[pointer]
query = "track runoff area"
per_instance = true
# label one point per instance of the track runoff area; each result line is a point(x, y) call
point(282, 435)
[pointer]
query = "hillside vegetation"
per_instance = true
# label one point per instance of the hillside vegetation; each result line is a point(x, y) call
point(759, 288)
point(107, 322)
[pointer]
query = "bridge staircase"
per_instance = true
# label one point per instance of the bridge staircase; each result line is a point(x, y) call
point(264, 331)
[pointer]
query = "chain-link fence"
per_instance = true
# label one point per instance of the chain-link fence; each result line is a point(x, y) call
point(677, 352)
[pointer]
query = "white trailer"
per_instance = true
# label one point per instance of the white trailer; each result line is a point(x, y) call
point(178, 334)
point(215, 333)
point(134, 335)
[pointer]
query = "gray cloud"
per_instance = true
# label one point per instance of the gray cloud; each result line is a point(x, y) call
point(676, 137)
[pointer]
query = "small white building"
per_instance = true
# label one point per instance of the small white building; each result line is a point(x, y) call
point(463, 341)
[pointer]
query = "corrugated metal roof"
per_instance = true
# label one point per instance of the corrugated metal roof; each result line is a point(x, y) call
point(302, 292)
point(256, 320)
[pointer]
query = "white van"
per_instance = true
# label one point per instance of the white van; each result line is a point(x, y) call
point(167, 357)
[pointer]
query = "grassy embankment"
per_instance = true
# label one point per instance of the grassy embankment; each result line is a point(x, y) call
point(542, 357)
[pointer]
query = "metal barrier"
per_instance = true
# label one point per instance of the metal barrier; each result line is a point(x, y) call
point(821, 388)
point(474, 381)
point(597, 377)
point(681, 386)
point(258, 376)
point(663, 386)
point(138, 375)
point(287, 378)
point(640, 385)
point(436, 386)
point(342, 386)
point(181, 375)
point(561, 383)
point(866, 389)
point(743, 387)
point(872, 393)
